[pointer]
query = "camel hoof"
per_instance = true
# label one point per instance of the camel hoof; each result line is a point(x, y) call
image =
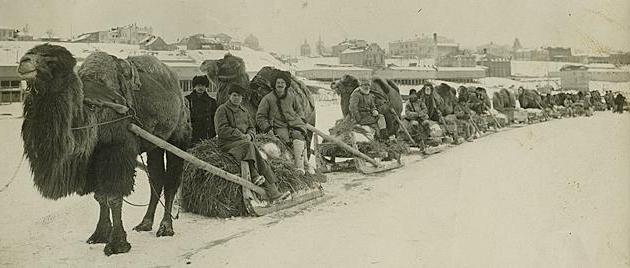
point(117, 247)
point(100, 235)
point(144, 226)
point(166, 229)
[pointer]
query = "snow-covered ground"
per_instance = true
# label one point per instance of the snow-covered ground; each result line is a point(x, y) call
point(553, 194)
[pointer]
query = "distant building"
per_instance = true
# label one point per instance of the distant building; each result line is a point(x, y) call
point(598, 58)
point(621, 58)
point(353, 43)
point(369, 56)
point(577, 77)
point(456, 61)
point(562, 54)
point(251, 42)
point(155, 43)
point(419, 75)
point(503, 51)
point(305, 49)
point(517, 45)
point(531, 54)
point(326, 72)
point(496, 66)
point(7, 34)
point(128, 34)
point(590, 58)
point(574, 77)
point(93, 37)
point(211, 42)
point(424, 47)
point(321, 49)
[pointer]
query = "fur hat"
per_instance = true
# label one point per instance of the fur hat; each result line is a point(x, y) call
point(284, 75)
point(236, 88)
point(200, 80)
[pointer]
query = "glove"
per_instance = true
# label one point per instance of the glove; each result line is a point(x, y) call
point(375, 113)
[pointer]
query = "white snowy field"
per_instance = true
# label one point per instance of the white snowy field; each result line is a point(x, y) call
point(554, 194)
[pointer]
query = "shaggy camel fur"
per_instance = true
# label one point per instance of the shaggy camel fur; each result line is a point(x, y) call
point(76, 146)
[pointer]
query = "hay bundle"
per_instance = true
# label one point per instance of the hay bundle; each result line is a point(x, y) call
point(209, 195)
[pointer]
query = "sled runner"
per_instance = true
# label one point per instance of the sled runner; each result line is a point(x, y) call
point(253, 204)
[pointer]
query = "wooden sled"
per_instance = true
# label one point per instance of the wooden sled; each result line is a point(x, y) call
point(252, 203)
point(256, 206)
point(363, 163)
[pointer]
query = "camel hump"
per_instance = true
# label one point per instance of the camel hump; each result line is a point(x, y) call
point(151, 65)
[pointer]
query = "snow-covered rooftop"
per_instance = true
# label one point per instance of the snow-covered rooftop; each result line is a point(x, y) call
point(353, 50)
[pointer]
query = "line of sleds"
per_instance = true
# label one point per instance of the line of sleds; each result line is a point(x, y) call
point(360, 149)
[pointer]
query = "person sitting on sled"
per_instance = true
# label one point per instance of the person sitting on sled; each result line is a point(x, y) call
point(568, 103)
point(415, 115)
point(363, 108)
point(281, 112)
point(235, 135)
point(620, 101)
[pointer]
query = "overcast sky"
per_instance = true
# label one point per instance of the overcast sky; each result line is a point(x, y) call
point(281, 25)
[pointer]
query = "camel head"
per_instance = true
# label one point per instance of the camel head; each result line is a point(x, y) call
point(347, 84)
point(230, 67)
point(45, 62)
point(210, 68)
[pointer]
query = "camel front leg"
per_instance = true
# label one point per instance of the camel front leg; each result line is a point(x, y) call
point(156, 176)
point(174, 167)
point(118, 237)
point(104, 225)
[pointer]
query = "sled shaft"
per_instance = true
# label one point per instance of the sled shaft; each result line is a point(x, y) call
point(194, 160)
point(404, 128)
point(343, 145)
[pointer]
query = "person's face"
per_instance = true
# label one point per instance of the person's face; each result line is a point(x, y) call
point(199, 88)
point(365, 88)
point(281, 86)
point(236, 98)
point(427, 90)
point(413, 97)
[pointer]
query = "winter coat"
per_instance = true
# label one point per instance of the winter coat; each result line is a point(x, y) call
point(233, 124)
point(361, 107)
point(433, 102)
point(280, 112)
point(462, 112)
point(416, 110)
point(202, 111)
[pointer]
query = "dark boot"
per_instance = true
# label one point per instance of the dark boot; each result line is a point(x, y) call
point(273, 194)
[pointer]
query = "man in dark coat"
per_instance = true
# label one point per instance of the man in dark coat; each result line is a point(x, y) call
point(415, 115)
point(202, 110)
point(236, 133)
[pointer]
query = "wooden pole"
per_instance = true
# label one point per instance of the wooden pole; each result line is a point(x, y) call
point(194, 160)
point(404, 128)
point(343, 145)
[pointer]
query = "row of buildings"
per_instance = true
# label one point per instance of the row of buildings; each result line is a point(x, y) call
point(140, 35)
point(143, 36)
point(443, 52)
